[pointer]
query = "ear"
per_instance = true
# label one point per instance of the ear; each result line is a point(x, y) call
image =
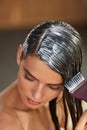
point(19, 53)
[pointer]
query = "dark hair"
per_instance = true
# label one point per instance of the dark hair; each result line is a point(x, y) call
point(58, 44)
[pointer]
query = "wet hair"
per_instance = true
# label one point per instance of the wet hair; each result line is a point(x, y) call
point(58, 44)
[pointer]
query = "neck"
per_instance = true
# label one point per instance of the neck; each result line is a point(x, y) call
point(10, 97)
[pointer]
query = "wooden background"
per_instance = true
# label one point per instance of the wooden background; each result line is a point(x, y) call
point(24, 13)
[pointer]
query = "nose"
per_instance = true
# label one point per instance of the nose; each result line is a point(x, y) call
point(38, 92)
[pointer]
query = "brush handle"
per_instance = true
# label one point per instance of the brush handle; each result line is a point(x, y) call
point(81, 92)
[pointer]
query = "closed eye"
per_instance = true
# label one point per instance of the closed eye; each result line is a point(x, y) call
point(28, 77)
point(55, 87)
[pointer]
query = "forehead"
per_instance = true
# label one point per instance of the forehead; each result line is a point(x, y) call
point(40, 70)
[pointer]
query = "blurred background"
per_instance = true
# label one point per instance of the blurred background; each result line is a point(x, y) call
point(17, 17)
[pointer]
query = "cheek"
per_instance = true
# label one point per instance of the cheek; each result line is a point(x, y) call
point(52, 95)
point(22, 85)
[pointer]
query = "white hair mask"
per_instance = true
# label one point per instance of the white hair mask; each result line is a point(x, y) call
point(58, 44)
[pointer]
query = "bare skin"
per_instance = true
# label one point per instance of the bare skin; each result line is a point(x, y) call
point(82, 123)
point(22, 103)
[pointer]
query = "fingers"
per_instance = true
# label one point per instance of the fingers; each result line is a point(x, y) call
point(82, 123)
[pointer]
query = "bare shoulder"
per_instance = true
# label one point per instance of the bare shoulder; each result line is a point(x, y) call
point(7, 122)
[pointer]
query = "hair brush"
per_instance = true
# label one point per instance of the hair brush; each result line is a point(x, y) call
point(77, 86)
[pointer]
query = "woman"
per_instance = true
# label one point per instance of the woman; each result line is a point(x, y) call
point(82, 123)
point(50, 56)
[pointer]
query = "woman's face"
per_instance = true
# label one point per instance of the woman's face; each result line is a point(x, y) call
point(37, 83)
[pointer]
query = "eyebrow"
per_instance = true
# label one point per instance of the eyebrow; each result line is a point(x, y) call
point(38, 79)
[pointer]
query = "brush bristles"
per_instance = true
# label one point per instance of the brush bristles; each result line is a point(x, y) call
point(75, 82)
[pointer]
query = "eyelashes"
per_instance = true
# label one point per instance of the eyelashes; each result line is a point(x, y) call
point(55, 87)
point(51, 86)
point(28, 77)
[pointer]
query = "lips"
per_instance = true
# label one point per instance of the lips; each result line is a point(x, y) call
point(32, 102)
